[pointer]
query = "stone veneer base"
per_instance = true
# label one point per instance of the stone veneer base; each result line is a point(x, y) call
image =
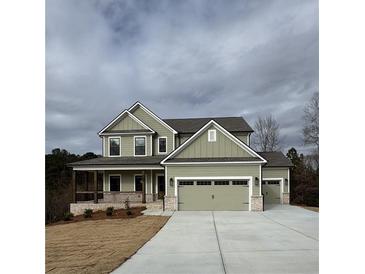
point(257, 203)
point(286, 198)
point(170, 203)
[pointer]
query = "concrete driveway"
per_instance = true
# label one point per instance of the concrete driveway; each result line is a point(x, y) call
point(283, 239)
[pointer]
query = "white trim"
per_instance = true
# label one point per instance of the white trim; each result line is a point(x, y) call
point(130, 115)
point(84, 168)
point(166, 182)
point(288, 180)
point(225, 132)
point(260, 180)
point(125, 133)
point(208, 163)
point(281, 186)
point(173, 142)
point(158, 145)
point(120, 146)
point(145, 145)
point(151, 145)
point(134, 181)
point(151, 183)
point(104, 184)
point(152, 114)
point(120, 181)
point(249, 178)
point(214, 131)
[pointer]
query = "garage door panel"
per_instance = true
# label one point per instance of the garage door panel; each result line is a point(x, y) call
point(213, 195)
point(271, 191)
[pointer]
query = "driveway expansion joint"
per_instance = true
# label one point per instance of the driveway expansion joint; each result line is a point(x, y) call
point(219, 246)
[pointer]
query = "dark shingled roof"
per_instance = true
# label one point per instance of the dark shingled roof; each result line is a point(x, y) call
point(275, 159)
point(192, 125)
point(130, 131)
point(145, 160)
point(218, 159)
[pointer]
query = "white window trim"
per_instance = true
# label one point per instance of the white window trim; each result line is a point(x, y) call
point(158, 144)
point(281, 186)
point(120, 146)
point(249, 178)
point(214, 134)
point(134, 180)
point(145, 145)
point(120, 181)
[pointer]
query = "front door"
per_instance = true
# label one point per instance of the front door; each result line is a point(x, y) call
point(161, 186)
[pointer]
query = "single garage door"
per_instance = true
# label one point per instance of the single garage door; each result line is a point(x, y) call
point(271, 191)
point(213, 194)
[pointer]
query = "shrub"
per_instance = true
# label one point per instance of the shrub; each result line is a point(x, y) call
point(129, 212)
point(88, 213)
point(109, 211)
point(67, 216)
point(127, 204)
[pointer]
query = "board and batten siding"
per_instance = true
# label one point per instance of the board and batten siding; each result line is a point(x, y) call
point(160, 129)
point(222, 147)
point(127, 123)
point(276, 172)
point(210, 171)
point(127, 145)
point(244, 137)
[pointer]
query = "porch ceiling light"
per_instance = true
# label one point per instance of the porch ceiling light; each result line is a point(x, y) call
point(256, 181)
point(171, 182)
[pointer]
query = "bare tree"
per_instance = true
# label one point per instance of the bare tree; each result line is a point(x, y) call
point(311, 124)
point(267, 134)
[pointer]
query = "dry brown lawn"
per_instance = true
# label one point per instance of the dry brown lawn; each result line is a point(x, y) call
point(97, 246)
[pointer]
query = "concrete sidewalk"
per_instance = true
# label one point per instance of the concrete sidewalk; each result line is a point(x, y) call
point(283, 239)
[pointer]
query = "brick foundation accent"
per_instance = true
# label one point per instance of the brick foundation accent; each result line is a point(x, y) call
point(170, 203)
point(257, 203)
point(286, 198)
point(78, 209)
point(120, 197)
point(149, 198)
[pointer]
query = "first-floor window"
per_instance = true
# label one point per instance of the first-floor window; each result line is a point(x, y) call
point(140, 146)
point(138, 182)
point(114, 183)
point(114, 146)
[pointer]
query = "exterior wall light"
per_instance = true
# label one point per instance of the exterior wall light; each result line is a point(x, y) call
point(286, 182)
point(171, 182)
point(257, 181)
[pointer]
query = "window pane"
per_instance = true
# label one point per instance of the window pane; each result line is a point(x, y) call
point(138, 183)
point(240, 183)
point(162, 144)
point(140, 147)
point(221, 183)
point(203, 183)
point(114, 146)
point(114, 183)
point(186, 183)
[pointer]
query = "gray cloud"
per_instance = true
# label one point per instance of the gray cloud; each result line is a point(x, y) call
point(179, 58)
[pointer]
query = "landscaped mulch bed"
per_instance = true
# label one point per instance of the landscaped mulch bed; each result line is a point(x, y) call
point(97, 246)
point(101, 215)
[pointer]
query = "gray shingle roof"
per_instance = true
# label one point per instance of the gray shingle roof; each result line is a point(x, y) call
point(276, 159)
point(218, 159)
point(130, 131)
point(148, 160)
point(192, 125)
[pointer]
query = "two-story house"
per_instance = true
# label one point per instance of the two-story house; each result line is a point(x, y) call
point(193, 164)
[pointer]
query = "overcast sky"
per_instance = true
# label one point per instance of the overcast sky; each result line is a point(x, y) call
point(180, 59)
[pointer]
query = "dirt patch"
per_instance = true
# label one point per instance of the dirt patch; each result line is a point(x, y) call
point(97, 246)
point(101, 215)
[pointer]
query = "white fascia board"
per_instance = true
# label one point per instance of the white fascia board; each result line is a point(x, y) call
point(125, 112)
point(153, 115)
point(208, 163)
point(119, 168)
point(221, 129)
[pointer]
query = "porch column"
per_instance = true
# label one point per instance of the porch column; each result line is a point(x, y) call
point(95, 187)
point(73, 186)
point(143, 187)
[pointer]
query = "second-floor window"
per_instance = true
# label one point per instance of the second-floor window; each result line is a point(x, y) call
point(162, 145)
point(114, 146)
point(140, 146)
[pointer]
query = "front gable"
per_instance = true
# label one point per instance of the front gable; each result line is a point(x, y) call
point(225, 146)
point(126, 123)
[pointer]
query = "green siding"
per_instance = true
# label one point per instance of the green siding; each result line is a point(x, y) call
point(223, 147)
point(244, 137)
point(276, 172)
point(128, 179)
point(127, 123)
point(212, 170)
point(160, 129)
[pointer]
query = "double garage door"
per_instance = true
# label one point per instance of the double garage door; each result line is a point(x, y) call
point(213, 194)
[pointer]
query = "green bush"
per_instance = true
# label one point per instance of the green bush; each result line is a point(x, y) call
point(67, 216)
point(88, 213)
point(109, 211)
point(129, 212)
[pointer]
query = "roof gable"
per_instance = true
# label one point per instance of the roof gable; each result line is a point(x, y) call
point(154, 116)
point(242, 146)
point(125, 122)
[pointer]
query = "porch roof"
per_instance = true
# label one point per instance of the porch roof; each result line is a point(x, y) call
point(119, 161)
